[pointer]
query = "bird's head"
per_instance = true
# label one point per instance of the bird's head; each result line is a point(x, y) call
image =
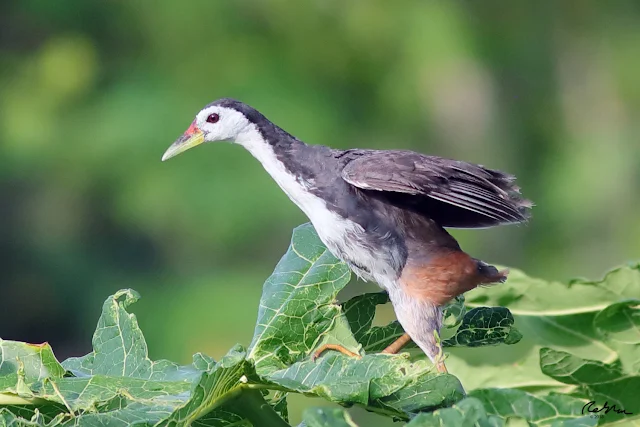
point(222, 120)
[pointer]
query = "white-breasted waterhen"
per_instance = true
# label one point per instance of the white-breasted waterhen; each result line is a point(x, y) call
point(382, 212)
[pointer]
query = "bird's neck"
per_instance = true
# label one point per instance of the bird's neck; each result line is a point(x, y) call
point(268, 144)
point(276, 150)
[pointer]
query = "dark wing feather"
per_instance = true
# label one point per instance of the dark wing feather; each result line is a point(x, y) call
point(454, 193)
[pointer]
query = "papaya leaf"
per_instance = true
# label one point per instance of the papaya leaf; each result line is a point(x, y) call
point(384, 381)
point(589, 319)
point(279, 404)
point(604, 384)
point(298, 306)
point(9, 418)
point(222, 397)
point(22, 365)
point(360, 311)
point(619, 327)
point(327, 417)
point(118, 385)
point(453, 313)
point(553, 409)
point(483, 326)
point(530, 296)
point(298, 313)
point(467, 412)
point(425, 392)
point(120, 350)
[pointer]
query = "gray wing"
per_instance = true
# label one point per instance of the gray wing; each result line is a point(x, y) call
point(474, 196)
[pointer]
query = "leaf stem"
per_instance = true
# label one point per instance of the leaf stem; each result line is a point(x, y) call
point(13, 399)
point(375, 409)
point(252, 405)
point(248, 402)
point(61, 397)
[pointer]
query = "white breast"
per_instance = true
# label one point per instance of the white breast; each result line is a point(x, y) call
point(324, 220)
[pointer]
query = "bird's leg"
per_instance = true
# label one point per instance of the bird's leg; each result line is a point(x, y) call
point(335, 347)
point(397, 345)
point(421, 320)
point(439, 359)
point(392, 348)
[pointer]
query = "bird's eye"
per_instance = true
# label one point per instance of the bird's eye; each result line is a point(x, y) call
point(213, 118)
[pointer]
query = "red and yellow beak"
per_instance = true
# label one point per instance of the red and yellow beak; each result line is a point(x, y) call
point(192, 137)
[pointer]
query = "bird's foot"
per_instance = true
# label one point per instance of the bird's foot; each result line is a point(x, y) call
point(335, 347)
point(398, 344)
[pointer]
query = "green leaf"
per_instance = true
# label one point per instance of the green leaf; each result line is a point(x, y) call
point(360, 311)
point(10, 419)
point(22, 365)
point(118, 385)
point(41, 412)
point(553, 409)
point(599, 382)
point(589, 319)
point(298, 306)
point(120, 350)
point(327, 417)
point(453, 312)
point(279, 404)
point(209, 392)
point(426, 391)
point(483, 326)
point(619, 326)
point(119, 372)
point(466, 413)
point(525, 295)
point(298, 313)
point(469, 412)
point(479, 327)
point(380, 381)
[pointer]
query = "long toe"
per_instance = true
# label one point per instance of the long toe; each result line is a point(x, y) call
point(335, 347)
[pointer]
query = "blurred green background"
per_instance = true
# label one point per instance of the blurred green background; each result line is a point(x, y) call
point(93, 92)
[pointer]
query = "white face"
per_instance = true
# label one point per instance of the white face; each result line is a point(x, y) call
point(221, 124)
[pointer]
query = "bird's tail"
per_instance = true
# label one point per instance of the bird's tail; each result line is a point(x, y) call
point(489, 274)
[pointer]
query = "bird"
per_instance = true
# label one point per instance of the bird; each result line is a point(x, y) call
point(382, 212)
